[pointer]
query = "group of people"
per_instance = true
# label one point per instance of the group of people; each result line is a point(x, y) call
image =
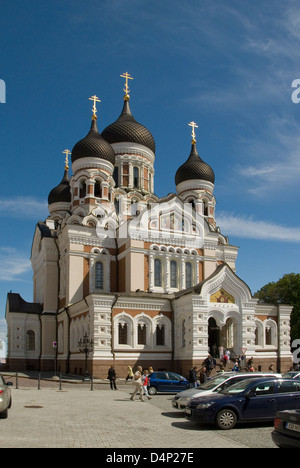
point(140, 380)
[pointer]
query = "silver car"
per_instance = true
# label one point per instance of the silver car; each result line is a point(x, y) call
point(5, 398)
point(217, 384)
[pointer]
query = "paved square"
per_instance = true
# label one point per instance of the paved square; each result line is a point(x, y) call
point(77, 417)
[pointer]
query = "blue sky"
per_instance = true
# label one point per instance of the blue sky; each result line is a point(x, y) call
point(228, 66)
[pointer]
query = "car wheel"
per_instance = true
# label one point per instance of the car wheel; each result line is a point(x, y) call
point(152, 390)
point(4, 414)
point(226, 419)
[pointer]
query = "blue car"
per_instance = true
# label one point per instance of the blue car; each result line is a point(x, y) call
point(249, 400)
point(167, 382)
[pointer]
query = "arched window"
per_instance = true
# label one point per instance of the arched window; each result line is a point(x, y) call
point(99, 277)
point(174, 274)
point(269, 336)
point(30, 340)
point(136, 177)
point(188, 275)
point(116, 176)
point(98, 190)
point(123, 333)
point(157, 273)
point(117, 206)
point(160, 335)
point(82, 189)
point(142, 334)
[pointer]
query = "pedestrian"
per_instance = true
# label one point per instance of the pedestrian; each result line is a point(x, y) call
point(192, 377)
point(236, 367)
point(129, 374)
point(203, 376)
point(271, 368)
point(138, 384)
point(145, 380)
point(112, 377)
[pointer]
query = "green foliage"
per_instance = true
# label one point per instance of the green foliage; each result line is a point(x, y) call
point(285, 291)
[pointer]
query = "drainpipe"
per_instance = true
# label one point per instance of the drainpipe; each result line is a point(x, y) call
point(173, 334)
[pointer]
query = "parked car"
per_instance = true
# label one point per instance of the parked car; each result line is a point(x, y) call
point(248, 400)
point(215, 385)
point(286, 432)
point(167, 382)
point(292, 375)
point(5, 397)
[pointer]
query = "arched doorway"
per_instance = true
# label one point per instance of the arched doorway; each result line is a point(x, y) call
point(213, 338)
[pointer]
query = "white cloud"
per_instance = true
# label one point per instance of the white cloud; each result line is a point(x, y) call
point(13, 264)
point(23, 207)
point(250, 228)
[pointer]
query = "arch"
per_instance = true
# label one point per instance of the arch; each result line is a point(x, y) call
point(259, 333)
point(30, 340)
point(271, 332)
point(123, 323)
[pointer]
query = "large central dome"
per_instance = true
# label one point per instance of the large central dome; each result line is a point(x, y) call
point(127, 129)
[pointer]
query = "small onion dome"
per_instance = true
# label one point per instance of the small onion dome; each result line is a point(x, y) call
point(93, 146)
point(61, 193)
point(127, 129)
point(194, 168)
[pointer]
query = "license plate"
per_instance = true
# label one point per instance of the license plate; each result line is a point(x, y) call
point(293, 427)
point(188, 411)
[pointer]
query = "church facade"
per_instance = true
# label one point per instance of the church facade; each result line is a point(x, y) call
point(151, 281)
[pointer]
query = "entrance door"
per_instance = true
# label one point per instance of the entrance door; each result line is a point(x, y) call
point(213, 338)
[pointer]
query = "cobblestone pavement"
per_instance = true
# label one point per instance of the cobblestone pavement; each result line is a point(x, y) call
point(78, 417)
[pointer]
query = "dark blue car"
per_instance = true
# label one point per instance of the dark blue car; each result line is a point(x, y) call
point(248, 400)
point(167, 382)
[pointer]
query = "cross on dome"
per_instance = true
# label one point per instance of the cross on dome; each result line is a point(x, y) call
point(193, 125)
point(95, 99)
point(126, 90)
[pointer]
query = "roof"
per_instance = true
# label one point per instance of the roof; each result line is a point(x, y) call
point(93, 146)
point(198, 288)
point(61, 193)
point(17, 304)
point(127, 129)
point(194, 168)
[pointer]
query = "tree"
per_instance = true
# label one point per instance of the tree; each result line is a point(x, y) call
point(285, 291)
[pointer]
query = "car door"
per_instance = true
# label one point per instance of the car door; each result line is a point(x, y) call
point(177, 384)
point(260, 402)
point(162, 381)
point(288, 396)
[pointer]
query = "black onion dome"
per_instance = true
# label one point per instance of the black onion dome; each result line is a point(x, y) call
point(61, 193)
point(93, 146)
point(127, 129)
point(194, 168)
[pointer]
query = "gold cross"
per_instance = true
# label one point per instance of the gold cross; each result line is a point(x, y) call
point(67, 152)
point(127, 77)
point(95, 99)
point(193, 125)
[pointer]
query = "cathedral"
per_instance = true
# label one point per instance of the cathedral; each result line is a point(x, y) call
point(143, 280)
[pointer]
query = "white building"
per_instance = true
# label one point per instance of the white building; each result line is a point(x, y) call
point(150, 281)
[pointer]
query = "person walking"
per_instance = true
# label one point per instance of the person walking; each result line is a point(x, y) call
point(145, 380)
point(112, 377)
point(138, 384)
point(129, 374)
point(192, 378)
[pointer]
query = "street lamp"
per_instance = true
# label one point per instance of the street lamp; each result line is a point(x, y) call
point(86, 346)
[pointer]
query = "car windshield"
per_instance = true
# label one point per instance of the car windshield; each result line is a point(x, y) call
point(213, 383)
point(237, 388)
